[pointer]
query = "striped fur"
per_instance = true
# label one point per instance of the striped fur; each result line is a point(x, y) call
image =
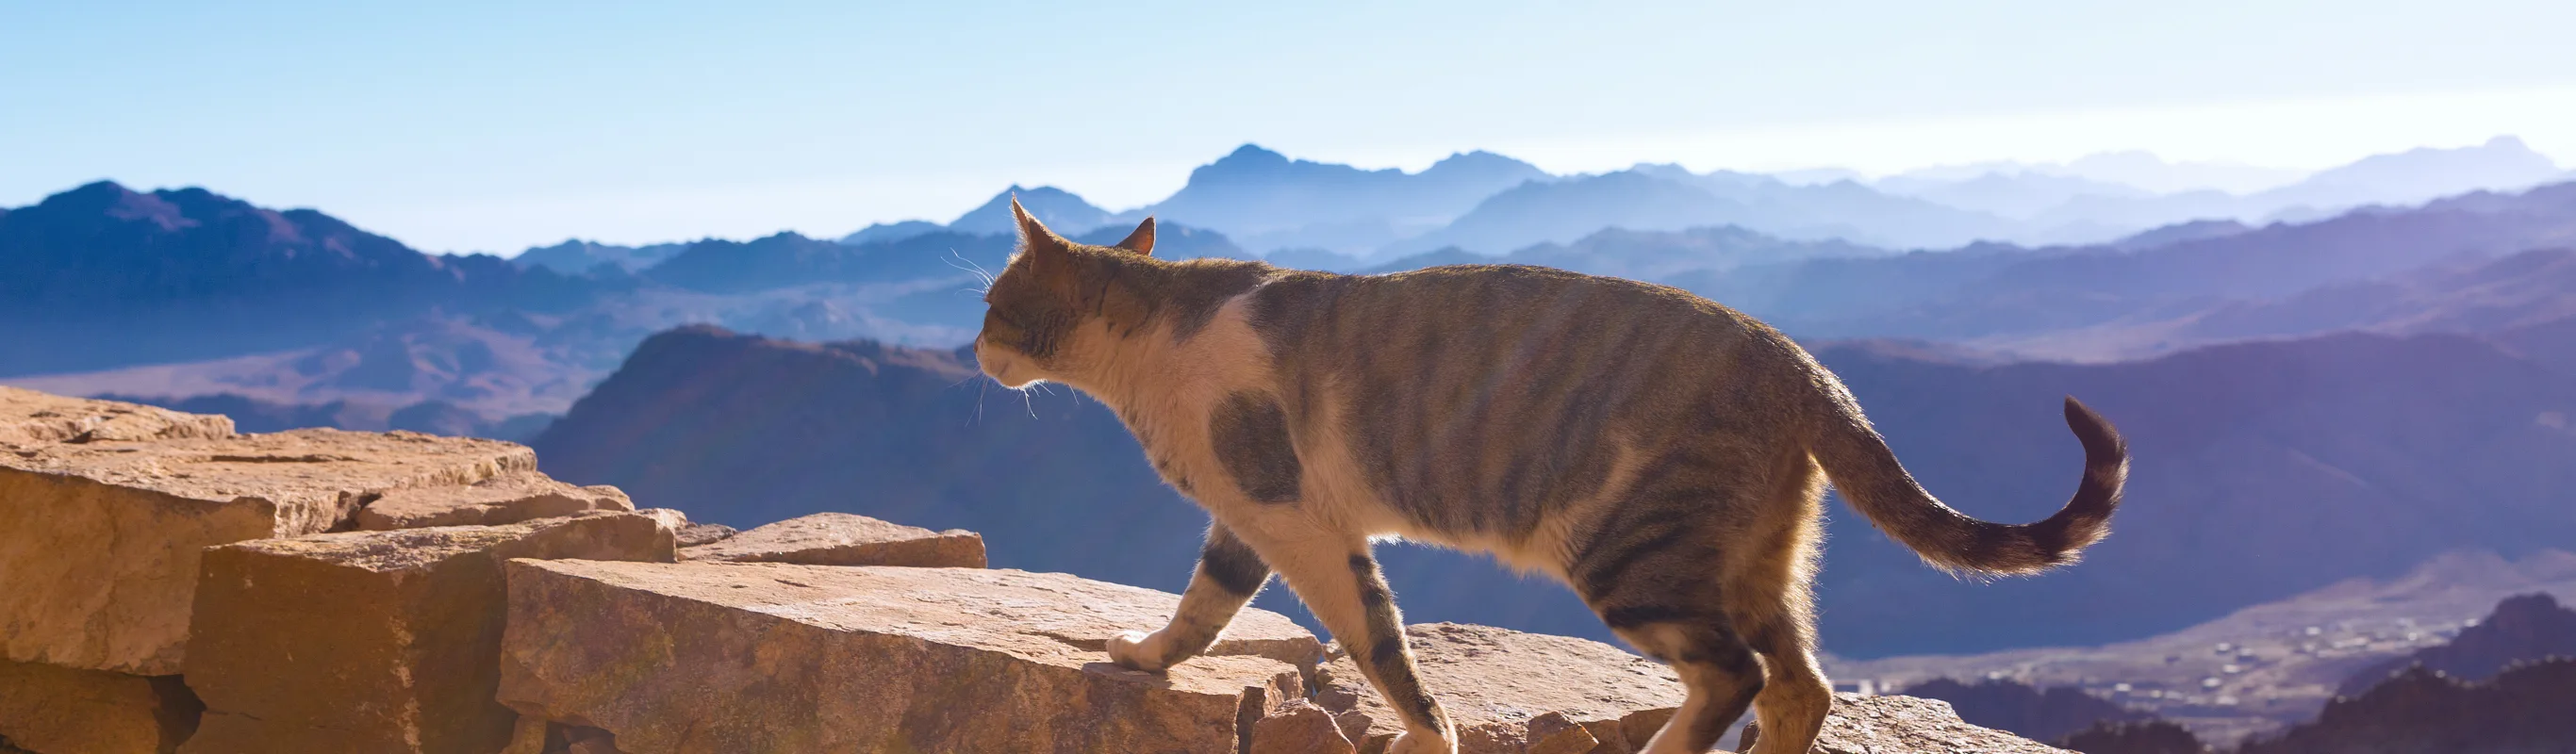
point(1662, 454)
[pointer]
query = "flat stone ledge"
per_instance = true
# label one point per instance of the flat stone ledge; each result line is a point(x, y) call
point(764, 657)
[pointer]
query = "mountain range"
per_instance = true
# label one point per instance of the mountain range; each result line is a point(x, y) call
point(1492, 204)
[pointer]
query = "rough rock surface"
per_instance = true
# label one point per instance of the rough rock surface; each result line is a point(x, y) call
point(29, 418)
point(100, 539)
point(374, 641)
point(692, 535)
point(1299, 728)
point(53, 709)
point(1515, 693)
point(766, 657)
point(1906, 725)
point(506, 499)
point(849, 540)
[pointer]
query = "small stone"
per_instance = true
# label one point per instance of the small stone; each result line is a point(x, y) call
point(1299, 728)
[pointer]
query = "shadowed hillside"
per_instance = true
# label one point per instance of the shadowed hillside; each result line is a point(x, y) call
point(104, 276)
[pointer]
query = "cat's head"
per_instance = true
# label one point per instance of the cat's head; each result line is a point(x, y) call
point(1044, 315)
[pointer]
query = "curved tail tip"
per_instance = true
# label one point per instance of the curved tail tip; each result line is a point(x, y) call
point(2102, 441)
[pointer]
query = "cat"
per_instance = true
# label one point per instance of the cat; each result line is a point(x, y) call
point(1660, 453)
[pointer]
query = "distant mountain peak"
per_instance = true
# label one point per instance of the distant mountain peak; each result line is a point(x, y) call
point(1064, 211)
point(1252, 153)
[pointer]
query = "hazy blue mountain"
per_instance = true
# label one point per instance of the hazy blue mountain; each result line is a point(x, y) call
point(1668, 197)
point(1062, 210)
point(2019, 195)
point(787, 259)
point(576, 256)
point(891, 232)
point(1068, 215)
point(1990, 291)
point(102, 276)
point(1563, 210)
point(2504, 163)
point(1648, 255)
point(2377, 452)
point(2138, 169)
point(1264, 200)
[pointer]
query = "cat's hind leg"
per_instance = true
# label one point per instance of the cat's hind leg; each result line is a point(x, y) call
point(1229, 574)
point(1772, 599)
point(1653, 569)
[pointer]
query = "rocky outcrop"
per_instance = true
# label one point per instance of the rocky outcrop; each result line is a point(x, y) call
point(2522, 628)
point(846, 540)
point(506, 499)
point(374, 641)
point(52, 709)
point(99, 537)
point(1906, 725)
point(1511, 692)
point(2010, 705)
point(2523, 709)
point(2135, 737)
point(760, 657)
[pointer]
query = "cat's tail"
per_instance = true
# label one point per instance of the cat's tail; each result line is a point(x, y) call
point(1868, 476)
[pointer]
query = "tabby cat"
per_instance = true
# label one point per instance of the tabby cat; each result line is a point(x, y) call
point(1656, 451)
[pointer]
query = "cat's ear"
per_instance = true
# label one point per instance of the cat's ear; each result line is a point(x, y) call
point(1043, 245)
point(1141, 241)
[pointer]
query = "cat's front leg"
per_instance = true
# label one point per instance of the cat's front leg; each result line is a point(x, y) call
point(1229, 573)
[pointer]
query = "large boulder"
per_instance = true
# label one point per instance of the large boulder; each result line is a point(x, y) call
point(1513, 693)
point(846, 539)
point(383, 641)
point(766, 657)
point(1907, 725)
point(505, 499)
point(61, 710)
point(100, 532)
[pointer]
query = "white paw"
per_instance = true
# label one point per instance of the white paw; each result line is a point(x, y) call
point(1136, 650)
point(1420, 742)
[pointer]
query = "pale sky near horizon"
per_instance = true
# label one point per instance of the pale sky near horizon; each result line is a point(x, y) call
point(486, 126)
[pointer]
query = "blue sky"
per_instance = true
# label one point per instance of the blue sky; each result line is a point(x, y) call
point(491, 126)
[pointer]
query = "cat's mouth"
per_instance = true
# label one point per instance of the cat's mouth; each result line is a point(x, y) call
point(1004, 367)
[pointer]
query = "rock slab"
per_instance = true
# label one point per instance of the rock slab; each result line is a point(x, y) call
point(1513, 693)
point(764, 657)
point(505, 499)
point(846, 540)
point(54, 709)
point(99, 539)
point(1907, 725)
point(29, 418)
point(383, 641)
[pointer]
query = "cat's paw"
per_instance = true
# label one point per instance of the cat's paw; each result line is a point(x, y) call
point(1136, 650)
point(1422, 742)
